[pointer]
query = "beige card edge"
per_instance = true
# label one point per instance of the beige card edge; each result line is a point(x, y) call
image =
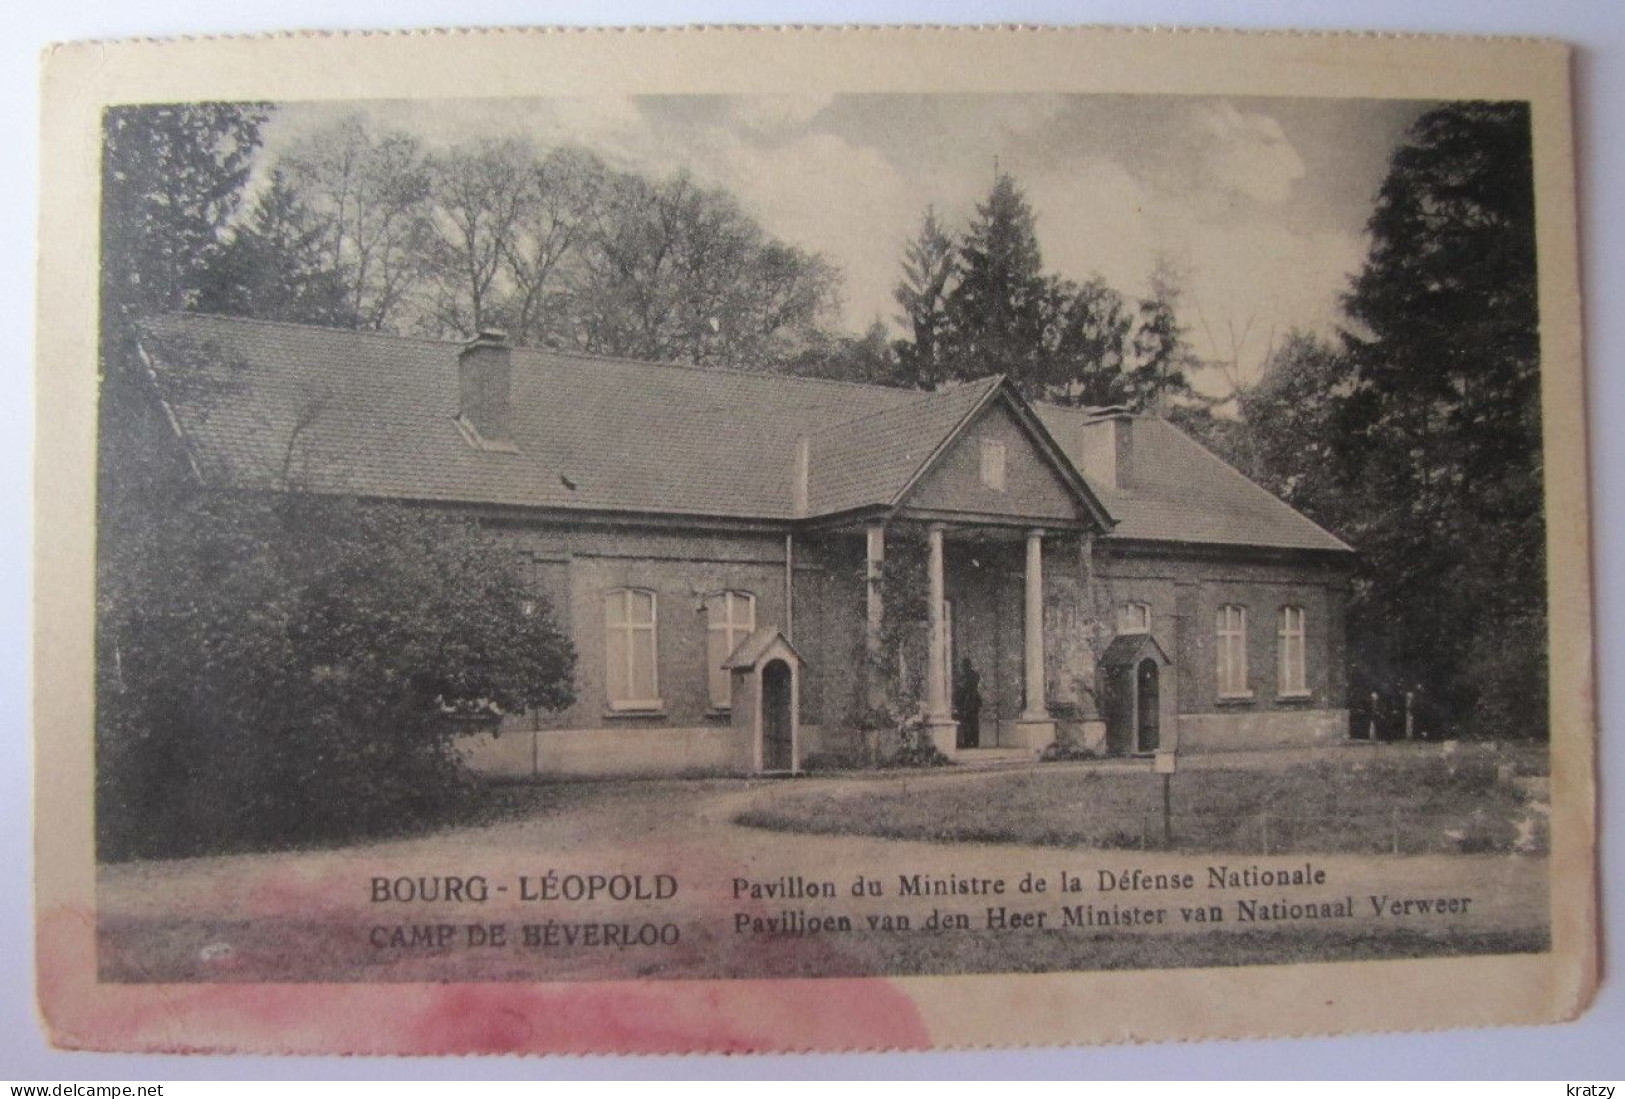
point(960, 1012)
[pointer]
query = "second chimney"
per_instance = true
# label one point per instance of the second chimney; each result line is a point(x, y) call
point(1108, 447)
point(485, 385)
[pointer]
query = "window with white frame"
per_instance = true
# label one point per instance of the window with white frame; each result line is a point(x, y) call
point(730, 618)
point(631, 664)
point(1134, 618)
point(1230, 628)
point(993, 464)
point(1289, 636)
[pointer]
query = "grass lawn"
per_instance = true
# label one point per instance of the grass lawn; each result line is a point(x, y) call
point(1408, 805)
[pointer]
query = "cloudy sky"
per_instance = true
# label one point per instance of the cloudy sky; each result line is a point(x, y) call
point(1260, 202)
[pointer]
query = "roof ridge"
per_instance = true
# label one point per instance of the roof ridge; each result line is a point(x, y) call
point(923, 396)
point(700, 368)
point(335, 329)
point(1092, 409)
point(591, 356)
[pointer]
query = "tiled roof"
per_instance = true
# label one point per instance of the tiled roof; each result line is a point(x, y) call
point(1127, 648)
point(342, 411)
point(629, 436)
point(749, 652)
point(872, 458)
point(1179, 491)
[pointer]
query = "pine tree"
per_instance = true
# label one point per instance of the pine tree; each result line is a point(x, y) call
point(172, 178)
point(275, 265)
point(1291, 417)
point(1441, 439)
point(1161, 354)
point(1087, 343)
point(929, 267)
point(996, 311)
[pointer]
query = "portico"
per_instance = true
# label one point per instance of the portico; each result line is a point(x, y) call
point(1012, 555)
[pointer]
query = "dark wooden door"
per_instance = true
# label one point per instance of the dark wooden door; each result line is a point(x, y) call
point(776, 746)
point(1149, 731)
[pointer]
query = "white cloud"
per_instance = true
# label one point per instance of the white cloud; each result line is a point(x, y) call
point(1246, 278)
point(1247, 153)
point(613, 126)
point(1096, 218)
point(829, 196)
point(1249, 284)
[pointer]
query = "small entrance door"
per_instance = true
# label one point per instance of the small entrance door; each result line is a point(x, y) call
point(776, 701)
point(1148, 726)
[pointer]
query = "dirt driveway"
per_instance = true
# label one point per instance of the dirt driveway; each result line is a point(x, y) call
point(744, 902)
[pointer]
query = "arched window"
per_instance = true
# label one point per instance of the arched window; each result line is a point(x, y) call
point(1230, 629)
point(730, 618)
point(1134, 618)
point(1289, 637)
point(631, 653)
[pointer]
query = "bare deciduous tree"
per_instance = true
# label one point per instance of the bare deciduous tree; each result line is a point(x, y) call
point(673, 270)
point(558, 196)
point(372, 193)
point(555, 248)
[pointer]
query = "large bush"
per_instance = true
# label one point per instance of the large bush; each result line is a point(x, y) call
point(285, 669)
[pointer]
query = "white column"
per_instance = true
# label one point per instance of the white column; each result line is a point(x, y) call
point(875, 556)
point(938, 710)
point(1033, 629)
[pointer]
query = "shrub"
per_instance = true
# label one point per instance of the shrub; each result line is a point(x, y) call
point(919, 755)
point(286, 669)
point(845, 758)
point(1066, 750)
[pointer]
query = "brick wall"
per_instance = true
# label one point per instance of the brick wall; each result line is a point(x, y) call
point(573, 568)
point(1185, 593)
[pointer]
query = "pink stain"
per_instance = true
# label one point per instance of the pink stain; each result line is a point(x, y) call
point(740, 1016)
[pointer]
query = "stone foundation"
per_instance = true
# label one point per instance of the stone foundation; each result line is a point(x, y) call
point(1034, 735)
point(945, 737)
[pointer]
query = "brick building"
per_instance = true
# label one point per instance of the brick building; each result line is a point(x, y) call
point(723, 546)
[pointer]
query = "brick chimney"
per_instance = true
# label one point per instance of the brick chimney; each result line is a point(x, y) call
point(485, 385)
point(1108, 447)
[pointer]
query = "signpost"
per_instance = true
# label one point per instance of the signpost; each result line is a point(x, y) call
point(1163, 764)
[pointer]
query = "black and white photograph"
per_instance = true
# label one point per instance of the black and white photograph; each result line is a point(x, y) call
point(733, 537)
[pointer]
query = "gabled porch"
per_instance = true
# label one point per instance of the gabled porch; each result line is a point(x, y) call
point(956, 502)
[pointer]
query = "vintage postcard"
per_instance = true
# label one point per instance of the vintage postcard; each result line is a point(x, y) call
point(848, 539)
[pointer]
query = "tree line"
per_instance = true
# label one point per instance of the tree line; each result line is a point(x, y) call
point(366, 228)
point(980, 302)
point(361, 227)
point(1413, 431)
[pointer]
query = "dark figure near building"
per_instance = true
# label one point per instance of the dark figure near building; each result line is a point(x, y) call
point(968, 704)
